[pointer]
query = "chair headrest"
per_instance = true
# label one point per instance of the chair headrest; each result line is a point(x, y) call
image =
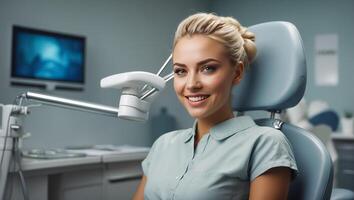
point(276, 79)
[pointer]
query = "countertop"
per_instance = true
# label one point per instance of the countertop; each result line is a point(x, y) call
point(93, 156)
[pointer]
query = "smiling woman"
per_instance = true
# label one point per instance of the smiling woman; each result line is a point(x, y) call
point(223, 156)
point(204, 77)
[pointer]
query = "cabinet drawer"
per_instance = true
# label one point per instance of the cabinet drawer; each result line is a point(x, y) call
point(81, 178)
point(345, 179)
point(345, 174)
point(121, 180)
point(344, 147)
point(346, 165)
point(124, 172)
point(346, 158)
point(84, 183)
point(122, 190)
point(92, 192)
point(37, 187)
point(123, 169)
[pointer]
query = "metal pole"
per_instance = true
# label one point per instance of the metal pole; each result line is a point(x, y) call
point(69, 103)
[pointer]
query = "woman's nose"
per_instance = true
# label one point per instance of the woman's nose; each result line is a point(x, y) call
point(193, 82)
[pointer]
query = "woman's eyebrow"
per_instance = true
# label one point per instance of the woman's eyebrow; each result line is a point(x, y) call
point(179, 64)
point(208, 60)
point(199, 63)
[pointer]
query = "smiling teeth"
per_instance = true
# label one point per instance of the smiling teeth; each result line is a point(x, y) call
point(195, 99)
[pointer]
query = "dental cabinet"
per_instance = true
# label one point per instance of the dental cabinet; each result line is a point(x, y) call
point(345, 172)
point(106, 177)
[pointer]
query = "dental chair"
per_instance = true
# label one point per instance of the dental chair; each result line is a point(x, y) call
point(277, 81)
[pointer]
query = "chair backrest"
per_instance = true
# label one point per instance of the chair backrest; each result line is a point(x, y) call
point(277, 78)
point(277, 81)
point(314, 181)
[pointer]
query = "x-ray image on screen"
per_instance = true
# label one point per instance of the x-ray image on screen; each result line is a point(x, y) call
point(47, 55)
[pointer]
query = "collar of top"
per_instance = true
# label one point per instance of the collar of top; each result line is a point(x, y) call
point(226, 128)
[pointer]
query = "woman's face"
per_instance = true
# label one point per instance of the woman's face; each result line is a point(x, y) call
point(204, 76)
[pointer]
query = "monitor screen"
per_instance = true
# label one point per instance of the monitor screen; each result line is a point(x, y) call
point(47, 56)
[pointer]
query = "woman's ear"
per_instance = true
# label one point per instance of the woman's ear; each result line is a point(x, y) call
point(239, 68)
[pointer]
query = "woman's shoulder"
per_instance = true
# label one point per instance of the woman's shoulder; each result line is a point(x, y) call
point(266, 133)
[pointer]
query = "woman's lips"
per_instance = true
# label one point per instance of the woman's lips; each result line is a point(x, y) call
point(196, 100)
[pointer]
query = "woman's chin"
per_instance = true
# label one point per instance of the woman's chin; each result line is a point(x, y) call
point(198, 114)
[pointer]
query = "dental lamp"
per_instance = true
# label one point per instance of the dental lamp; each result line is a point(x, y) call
point(139, 89)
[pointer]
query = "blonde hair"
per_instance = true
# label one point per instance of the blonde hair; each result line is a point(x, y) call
point(228, 31)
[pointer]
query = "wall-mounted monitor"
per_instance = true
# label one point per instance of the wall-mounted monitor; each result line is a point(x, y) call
point(47, 59)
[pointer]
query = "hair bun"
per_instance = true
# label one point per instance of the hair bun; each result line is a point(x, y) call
point(250, 49)
point(247, 34)
point(249, 44)
point(238, 41)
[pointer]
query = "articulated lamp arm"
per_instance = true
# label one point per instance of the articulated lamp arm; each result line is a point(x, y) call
point(139, 89)
point(133, 105)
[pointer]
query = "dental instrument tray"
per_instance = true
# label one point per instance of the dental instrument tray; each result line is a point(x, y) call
point(50, 154)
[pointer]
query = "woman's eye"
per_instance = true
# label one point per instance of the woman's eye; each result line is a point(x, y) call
point(208, 68)
point(179, 72)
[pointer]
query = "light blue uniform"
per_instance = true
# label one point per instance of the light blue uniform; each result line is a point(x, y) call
point(222, 165)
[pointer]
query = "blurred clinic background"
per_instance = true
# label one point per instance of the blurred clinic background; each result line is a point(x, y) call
point(124, 35)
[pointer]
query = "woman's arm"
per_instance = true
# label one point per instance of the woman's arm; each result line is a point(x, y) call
point(139, 194)
point(273, 184)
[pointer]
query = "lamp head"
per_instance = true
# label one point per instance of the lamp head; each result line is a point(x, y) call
point(131, 106)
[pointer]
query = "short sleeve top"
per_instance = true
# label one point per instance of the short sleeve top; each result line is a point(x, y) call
point(222, 165)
